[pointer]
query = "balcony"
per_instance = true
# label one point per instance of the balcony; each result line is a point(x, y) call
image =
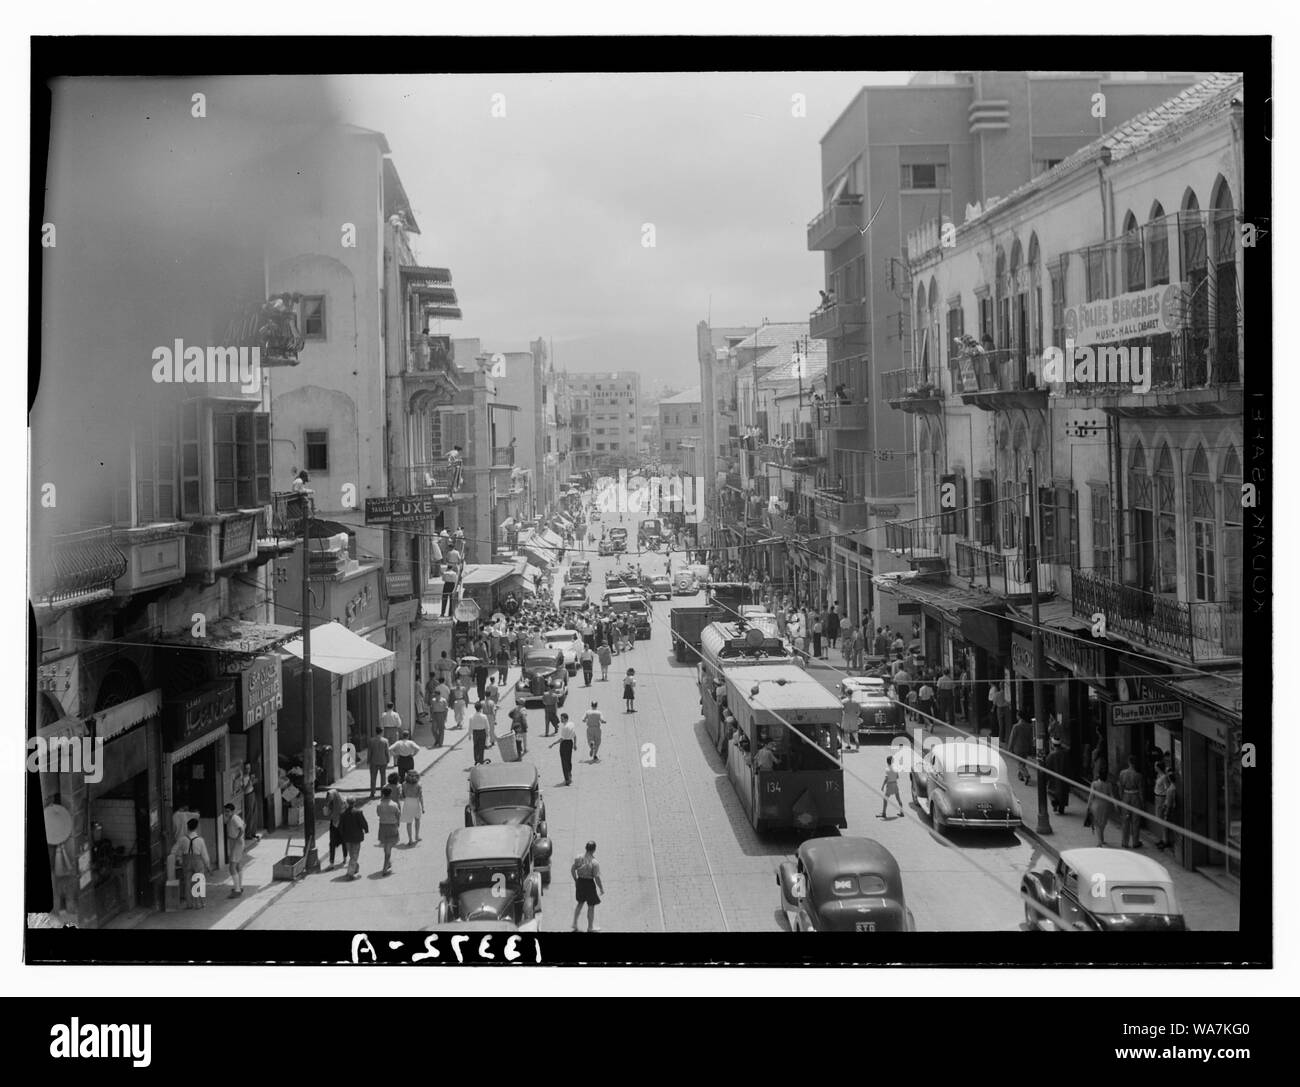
point(1185, 377)
point(913, 390)
point(833, 321)
point(836, 224)
point(841, 416)
point(997, 380)
point(442, 480)
point(503, 456)
point(76, 568)
point(1193, 630)
point(847, 514)
point(221, 543)
point(791, 453)
point(1001, 572)
point(791, 524)
point(920, 543)
point(155, 556)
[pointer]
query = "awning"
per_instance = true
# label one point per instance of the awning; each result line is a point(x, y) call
point(978, 615)
point(550, 539)
point(338, 650)
point(467, 611)
point(125, 715)
point(234, 636)
point(196, 745)
point(486, 573)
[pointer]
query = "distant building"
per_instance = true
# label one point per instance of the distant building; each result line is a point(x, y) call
point(605, 420)
point(680, 424)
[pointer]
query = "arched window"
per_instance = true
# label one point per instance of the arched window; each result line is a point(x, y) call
point(936, 337)
point(1135, 265)
point(1231, 588)
point(1157, 236)
point(1205, 529)
point(1003, 333)
point(1037, 289)
point(1141, 504)
point(1015, 459)
point(1192, 264)
point(1166, 524)
point(1019, 335)
point(922, 332)
point(1225, 286)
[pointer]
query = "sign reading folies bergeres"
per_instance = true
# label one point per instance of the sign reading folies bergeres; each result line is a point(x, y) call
point(1151, 312)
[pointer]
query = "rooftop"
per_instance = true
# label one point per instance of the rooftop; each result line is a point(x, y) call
point(690, 396)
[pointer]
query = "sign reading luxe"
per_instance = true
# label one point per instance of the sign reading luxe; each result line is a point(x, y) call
point(391, 511)
point(1150, 312)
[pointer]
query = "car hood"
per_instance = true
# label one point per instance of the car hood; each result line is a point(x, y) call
point(482, 905)
point(506, 815)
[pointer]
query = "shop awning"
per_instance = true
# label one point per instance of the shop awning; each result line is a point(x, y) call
point(196, 745)
point(550, 539)
point(338, 650)
point(486, 573)
point(978, 615)
point(125, 715)
point(1221, 691)
point(235, 637)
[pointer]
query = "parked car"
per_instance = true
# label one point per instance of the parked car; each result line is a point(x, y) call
point(566, 641)
point(573, 597)
point(579, 572)
point(491, 877)
point(843, 885)
point(539, 672)
point(964, 783)
point(605, 547)
point(617, 579)
point(510, 794)
point(618, 537)
point(1102, 890)
point(880, 714)
point(660, 588)
point(684, 584)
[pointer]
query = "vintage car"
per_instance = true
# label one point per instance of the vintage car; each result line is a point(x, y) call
point(880, 714)
point(539, 672)
point(510, 794)
point(1101, 890)
point(490, 877)
point(631, 604)
point(615, 579)
point(964, 783)
point(567, 641)
point(579, 572)
point(660, 588)
point(843, 885)
point(605, 547)
point(684, 584)
point(618, 537)
point(573, 597)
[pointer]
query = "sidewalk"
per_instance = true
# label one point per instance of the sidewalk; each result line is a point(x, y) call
point(1205, 904)
point(260, 856)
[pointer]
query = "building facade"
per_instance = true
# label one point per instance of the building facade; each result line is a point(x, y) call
point(716, 455)
point(1083, 336)
point(898, 156)
point(607, 416)
point(680, 423)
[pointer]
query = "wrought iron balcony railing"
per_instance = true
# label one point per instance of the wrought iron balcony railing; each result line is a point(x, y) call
point(1193, 630)
point(914, 539)
point(503, 456)
point(438, 478)
point(911, 383)
point(1002, 572)
point(76, 568)
point(431, 354)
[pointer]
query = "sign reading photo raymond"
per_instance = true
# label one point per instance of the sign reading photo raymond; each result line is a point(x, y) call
point(1140, 713)
point(261, 691)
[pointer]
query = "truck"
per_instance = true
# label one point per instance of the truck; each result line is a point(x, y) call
point(687, 625)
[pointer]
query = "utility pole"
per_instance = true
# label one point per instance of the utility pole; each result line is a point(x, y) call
point(1040, 714)
point(308, 708)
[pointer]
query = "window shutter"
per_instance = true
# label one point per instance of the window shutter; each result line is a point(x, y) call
point(191, 461)
point(262, 457)
point(1047, 525)
point(984, 509)
point(1071, 552)
point(245, 462)
point(952, 519)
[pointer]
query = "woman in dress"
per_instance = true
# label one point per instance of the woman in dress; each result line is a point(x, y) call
point(1099, 807)
point(629, 690)
point(412, 806)
point(389, 815)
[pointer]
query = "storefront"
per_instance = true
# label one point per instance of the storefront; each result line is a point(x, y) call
point(196, 761)
point(254, 741)
point(348, 692)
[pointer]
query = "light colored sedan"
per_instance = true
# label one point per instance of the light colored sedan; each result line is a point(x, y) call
point(568, 642)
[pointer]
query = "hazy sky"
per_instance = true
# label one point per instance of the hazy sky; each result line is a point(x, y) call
point(539, 213)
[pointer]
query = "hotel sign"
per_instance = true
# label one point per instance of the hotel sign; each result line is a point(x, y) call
point(1151, 312)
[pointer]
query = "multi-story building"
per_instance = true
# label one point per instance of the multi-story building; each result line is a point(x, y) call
point(154, 466)
point(607, 414)
point(717, 461)
point(896, 157)
point(680, 422)
point(559, 435)
point(1083, 334)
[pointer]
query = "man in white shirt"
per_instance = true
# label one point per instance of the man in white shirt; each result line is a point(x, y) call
point(450, 578)
point(478, 729)
point(391, 722)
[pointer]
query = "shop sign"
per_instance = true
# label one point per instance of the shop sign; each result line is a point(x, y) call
point(199, 712)
point(356, 603)
point(261, 690)
point(399, 583)
point(59, 679)
point(1150, 312)
point(882, 511)
point(1141, 713)
point(403, 613)
point(1085, 660)
point(236, 538)
point(400, 510)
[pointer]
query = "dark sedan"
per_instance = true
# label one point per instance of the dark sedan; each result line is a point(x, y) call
point(539, 673)
point(843, 885)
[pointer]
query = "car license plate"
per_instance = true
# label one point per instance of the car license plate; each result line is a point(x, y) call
point(865, 926)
